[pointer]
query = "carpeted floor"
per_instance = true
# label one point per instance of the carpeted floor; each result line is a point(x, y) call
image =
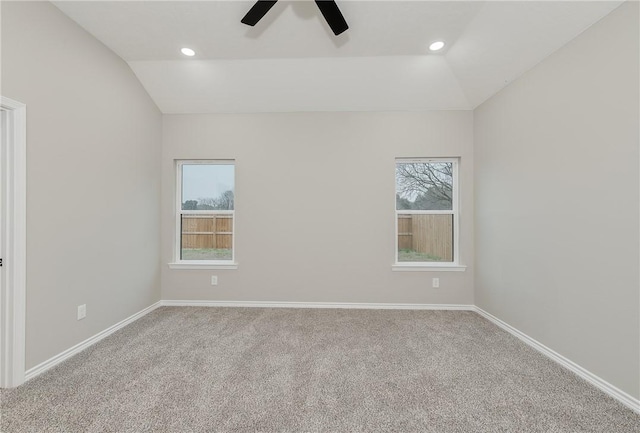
point(185, 369)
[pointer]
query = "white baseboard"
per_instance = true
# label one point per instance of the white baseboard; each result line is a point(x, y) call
point(52, 362)
point(624, 398)
point(348, 305)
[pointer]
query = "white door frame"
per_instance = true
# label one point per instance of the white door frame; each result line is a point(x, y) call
point(13, 248)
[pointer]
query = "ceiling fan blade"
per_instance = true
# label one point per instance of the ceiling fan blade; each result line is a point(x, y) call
point(332, 14)
point(257, 11)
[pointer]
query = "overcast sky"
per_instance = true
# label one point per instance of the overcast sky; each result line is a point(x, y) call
point(206, 180)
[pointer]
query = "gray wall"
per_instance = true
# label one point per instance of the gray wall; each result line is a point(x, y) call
point(556, 180)
point(93, 161)
point(557, 188)
point(315, 204)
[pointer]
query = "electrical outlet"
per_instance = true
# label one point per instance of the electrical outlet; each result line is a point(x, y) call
point(82, 311)
point(214, 280)
point(435, 283)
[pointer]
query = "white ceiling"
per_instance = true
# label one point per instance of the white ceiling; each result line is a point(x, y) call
point(291, 61)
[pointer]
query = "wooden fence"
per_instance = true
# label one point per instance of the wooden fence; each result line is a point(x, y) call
point(207, 231)
point(428, 234)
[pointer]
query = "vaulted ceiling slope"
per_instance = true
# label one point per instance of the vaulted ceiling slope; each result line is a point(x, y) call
point(291, 61)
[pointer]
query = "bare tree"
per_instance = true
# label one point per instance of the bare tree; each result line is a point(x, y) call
point(224, 201)
point(432, 180)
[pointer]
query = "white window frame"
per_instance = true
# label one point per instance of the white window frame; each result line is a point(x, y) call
point(178, 263)
point(455, 211)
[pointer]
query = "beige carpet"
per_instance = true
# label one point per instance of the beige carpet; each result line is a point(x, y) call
point(182, 369)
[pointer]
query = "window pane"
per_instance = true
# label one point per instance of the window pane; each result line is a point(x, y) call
point(425, 238)
point(424, 186)
point(207, 187)
point(207, 237)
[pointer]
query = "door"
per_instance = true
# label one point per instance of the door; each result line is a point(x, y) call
point(12, 242)
point(4, 331)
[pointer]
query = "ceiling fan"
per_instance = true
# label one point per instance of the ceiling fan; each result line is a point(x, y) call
point(329, 10)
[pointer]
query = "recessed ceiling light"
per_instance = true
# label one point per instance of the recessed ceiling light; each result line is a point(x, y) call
point(436, 46)
point(188, 52)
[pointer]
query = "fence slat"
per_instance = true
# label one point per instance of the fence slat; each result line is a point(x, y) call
point(428, 234)
point(207, 231)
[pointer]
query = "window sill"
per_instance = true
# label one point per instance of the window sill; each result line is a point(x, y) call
point(202, 265)
point(421, 267)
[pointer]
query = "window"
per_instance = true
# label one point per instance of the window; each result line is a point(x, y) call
point(427, 212)
point(205, 212)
